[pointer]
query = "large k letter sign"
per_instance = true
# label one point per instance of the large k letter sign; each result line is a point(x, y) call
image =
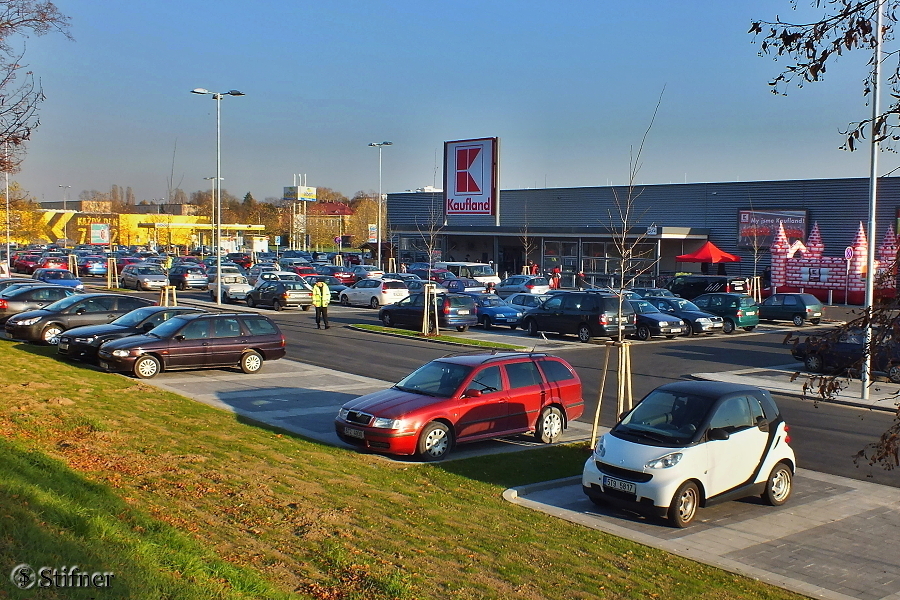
point(470, 177)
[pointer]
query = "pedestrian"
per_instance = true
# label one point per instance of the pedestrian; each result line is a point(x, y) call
point(403, 267)
point(321, 296)
point(535, 269)
point(555, 276)
point(489, 288)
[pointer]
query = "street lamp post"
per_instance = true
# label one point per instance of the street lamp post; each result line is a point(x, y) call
point(379, 145)
point(65, 194)
point(212, 209)
point(217, 96)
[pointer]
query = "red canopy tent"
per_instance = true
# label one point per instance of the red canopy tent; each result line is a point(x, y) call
point(708, 253)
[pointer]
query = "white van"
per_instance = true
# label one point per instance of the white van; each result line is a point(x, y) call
point(480, 272)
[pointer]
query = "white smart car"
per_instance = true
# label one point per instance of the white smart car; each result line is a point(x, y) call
point(691, 444)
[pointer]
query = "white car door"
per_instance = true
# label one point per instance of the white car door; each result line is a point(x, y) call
point(732, 462)
point(358, 292)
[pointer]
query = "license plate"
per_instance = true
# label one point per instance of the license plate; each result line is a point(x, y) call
point(817, 314)
point(618, 484)
point(750, 313)
point(104, 365)
point(354, 433)
point(463, 311)
point(675, 329)
point(63, 346)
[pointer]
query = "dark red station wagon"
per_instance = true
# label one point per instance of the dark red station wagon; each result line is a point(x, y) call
point(465, 398)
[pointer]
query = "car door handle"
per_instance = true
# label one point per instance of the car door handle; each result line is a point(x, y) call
point(206, 343)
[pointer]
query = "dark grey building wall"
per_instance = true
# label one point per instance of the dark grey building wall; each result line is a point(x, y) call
point(837, 205)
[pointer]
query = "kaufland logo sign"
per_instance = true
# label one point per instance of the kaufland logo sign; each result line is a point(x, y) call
point(470, 177)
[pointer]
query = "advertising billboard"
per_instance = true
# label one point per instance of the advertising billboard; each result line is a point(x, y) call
point(100, 233)
point(757, 227)
point(303, 193)
point(470, 176)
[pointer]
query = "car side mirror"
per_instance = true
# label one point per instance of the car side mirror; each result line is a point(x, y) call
point(148, 326)
point(762, 423)
point(179, 338)
point(718, 434)
point(472, 393)
point(80, 311)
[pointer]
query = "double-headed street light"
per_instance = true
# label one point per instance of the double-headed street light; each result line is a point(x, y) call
point(217, 96)
point(65, 194)
point(379, 145)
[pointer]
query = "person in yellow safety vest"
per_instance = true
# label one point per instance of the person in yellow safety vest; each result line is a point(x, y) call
point(321, 296)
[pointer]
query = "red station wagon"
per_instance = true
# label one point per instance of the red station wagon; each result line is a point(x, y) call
point(465, 398)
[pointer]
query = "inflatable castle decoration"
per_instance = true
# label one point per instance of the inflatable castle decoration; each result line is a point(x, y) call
point(796, 267)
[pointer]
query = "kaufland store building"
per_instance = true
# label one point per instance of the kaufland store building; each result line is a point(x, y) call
point(575, 228)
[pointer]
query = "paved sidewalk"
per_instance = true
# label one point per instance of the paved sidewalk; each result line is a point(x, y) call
point(836, 538)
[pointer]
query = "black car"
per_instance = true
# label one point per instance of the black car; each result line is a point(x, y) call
point(841, 350)
point(15, 300)
point(47, 324)
point(83, 342)
point(691, 286)
point(281, 294)
point(697, 321)
point(453, 310)
point(194, 341)
point(652, 291)
point(652, 321)
point(587, 314)
point(188, 275)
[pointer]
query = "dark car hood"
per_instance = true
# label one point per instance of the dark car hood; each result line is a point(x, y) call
point(659, 317)
point(30, 314)
point(693, 314)
point(105, 329)
point(136, 341)
point(391, 403)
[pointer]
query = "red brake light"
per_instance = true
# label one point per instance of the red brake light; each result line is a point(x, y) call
point(787, 438)
point(529, 285)
point(446, 307)
point(4, 304)
point(604, 320)
point(740, 313)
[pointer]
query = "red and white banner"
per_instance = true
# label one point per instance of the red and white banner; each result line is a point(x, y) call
point(470, 176)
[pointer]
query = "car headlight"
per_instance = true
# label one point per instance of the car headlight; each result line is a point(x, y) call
point(600, 450)
point(664, 462)
point(79, 287)
point(518, 314)
point(145, 280)
point(704, 320)
point(85, 340)
point(121, 353)
point(385, 423)
point(343, 413)
point(30, 321)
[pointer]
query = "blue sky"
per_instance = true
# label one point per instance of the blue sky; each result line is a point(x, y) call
point(568, 87)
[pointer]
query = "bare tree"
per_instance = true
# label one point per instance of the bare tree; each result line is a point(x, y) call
point(529, 244)
point(20, 93)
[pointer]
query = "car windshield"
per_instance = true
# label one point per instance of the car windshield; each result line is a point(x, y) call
point(134, 318)
point(437, 378)
point(680, 304)
point(666, 417)
point(643, 307)
point(491, 300)
point(149, 271)
point(167, 329)
point(58, 275)
point(297, 285)
point(483, 271)
point(64, 303)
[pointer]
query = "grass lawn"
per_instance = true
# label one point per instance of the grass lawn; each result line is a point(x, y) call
point(182, 501)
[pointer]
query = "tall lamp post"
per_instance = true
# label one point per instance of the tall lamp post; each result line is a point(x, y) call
point(379, 145)
point(212, 210)
point(65, 194)
point(217, 96)
point(8, 245)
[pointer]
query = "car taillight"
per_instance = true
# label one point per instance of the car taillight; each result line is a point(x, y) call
point(4, 304)
point(284, 295)
point(446, 307)
point(787, 438)
point(529, 285)
point(740, 313)
point(283, 341)
point(604, 319)
point(808, 309)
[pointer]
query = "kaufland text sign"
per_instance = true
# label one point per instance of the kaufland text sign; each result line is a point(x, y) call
point(470, 177)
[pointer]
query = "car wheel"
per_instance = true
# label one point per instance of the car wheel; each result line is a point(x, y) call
point(137, 286)
point(435, 441)
point(684, 505)
point(584, 333)
point(532, 327)
point(486, 322)
point(183, 286)
point(513, 327)
point(688, 328)
point(146, 367)
point(212, 295)
point(643, 332)
point(51, 333)
point(728, 326)
point(798, 320)
point(251, 362)
point(387, 319)
point(815, 321)
point(305, 307)
point(779, 485)
point(893, 373)
point(751, 328)
point(549, 425)
point(250, 301)
point(814, 363)
point(277, 305)
point(345, 301)
point(462, 327)
point(373, 303)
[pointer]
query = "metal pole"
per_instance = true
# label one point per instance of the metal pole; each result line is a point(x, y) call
point(873, 194)
point(378, 204)
point(6, 173)
point(218, 99)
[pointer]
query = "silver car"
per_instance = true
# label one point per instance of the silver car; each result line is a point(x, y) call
point(526, 301)
point(30, 297)
point(234, 284)
point(143, 276)
point(523, 284)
